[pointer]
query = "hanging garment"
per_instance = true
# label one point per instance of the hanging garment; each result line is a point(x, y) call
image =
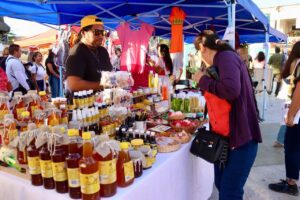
point(177, 17)
point(134, 46)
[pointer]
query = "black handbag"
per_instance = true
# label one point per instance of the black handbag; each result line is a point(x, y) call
point(210, 146)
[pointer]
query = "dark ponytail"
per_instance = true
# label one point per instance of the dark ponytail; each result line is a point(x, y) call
point(295, 54)
point(84, 29)
point(211, 40)
point(164, 50)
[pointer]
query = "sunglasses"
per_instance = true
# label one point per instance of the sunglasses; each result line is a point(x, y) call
point(98, 32)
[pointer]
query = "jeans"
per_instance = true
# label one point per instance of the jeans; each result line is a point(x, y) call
point(292, 152)
point(41, 85)
point(230, 181)
point(54, 85)
point(281, 134)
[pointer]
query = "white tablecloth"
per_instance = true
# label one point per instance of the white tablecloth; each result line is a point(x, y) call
point(175, 176)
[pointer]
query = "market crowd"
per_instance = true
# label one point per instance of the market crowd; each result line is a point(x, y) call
point(225, 79)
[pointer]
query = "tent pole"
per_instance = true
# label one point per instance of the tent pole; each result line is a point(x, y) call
point(233, 6)
point(265, 74)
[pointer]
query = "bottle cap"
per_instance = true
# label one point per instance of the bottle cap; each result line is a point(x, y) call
point(137, 142)
point(73, 132)
point(42, 93)
point(124, 145)
point(86, 135)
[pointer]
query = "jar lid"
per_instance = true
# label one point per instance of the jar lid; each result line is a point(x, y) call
point(86, 135)
point(137, 142)
point(42, 93)
point(73, 132)
point(25, 114)
point(124, 145)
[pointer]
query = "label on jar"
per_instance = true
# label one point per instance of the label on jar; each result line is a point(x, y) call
point(34, 165)
point(33, 108)
point(64, 120)
point(19, 111)
point(2, 113)
point(73, 177)
point(128, 171)
point(46, 168)
point(89, 183)
point(59, 171)
point(108, 172)
point(12, 133)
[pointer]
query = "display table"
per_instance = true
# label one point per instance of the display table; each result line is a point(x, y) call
point(175, 176)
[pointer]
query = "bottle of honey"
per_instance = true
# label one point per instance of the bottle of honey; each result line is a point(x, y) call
point(19, 105)
point(21, 149)
point(10, 128)
point(43, 96)
point(125, 171)
point(25, 118)
point(46, 163)
point(73, 165)
point(34, 102)
point(53, 118)
point(58, 165)
point(3, 107)
point(89, 173)
point(64, 114)
point(107, 172)
point(33, 158)
point(38, 118)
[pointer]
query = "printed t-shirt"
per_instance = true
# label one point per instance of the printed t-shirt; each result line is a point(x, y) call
point(177, 17)
point(134, 46)
point(87, 63)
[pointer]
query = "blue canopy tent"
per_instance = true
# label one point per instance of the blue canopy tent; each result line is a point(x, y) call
point(201, 14)
point(242, 16)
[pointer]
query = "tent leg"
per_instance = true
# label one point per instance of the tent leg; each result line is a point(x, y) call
point(231, 19)
point(264, 105)
point(61, 93)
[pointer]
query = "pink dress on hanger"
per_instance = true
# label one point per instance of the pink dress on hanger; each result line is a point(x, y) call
point(134, 46)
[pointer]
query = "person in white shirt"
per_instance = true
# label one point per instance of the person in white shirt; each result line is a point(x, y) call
point(38, 71)
point(15, 70)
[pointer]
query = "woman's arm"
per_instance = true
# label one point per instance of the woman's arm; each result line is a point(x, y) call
point(50, 67)
point(294, 107)
point(77, 84)
point(33, 78)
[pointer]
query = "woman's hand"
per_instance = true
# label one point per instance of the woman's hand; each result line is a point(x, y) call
point(197, 76)
point(289, 120)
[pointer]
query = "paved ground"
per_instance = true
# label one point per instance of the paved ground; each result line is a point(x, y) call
point(269, 164)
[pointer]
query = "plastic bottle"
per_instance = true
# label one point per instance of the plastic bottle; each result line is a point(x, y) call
point(155, 85)
point(150, 79)
point(38, 118)
point(58, 166)
point(34, 160)
point(46, 164)
point(53, 118)
point(89, 173)
point(73, 165)
point(125, 170)
point(76, 100)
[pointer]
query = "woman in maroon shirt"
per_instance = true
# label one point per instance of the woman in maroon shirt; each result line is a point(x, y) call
point(227, 80)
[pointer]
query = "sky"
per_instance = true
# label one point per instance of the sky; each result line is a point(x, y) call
point(33, 28)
